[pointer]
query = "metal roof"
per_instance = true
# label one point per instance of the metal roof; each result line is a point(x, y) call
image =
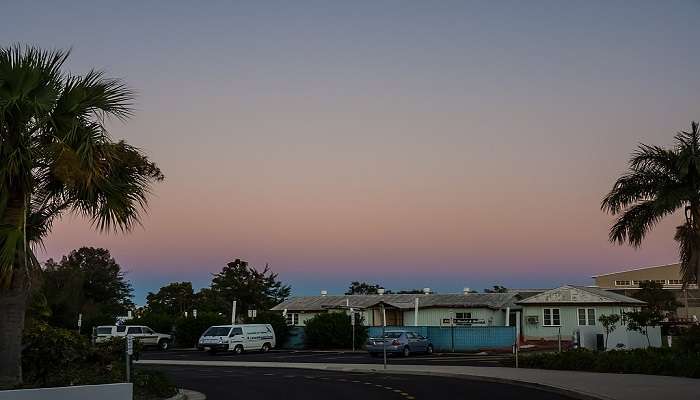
point(564, 295)
point(401, 301)
point(635, 269)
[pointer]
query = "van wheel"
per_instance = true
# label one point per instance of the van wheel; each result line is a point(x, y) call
point(164, 344)
point(238, 349)
point(429, 350)
point(406, 351)
point(265, 348)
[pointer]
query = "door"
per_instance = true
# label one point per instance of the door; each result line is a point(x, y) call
point(235, 338)
point(135, 332)
point(414, 342)
point(149, 337)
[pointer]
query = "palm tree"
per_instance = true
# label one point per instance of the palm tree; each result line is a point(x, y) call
point(660, 182)
point(56, 157)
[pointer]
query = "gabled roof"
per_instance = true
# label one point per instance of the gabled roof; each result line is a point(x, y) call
point(580, 295)
point(636, 269)
point(401, 301)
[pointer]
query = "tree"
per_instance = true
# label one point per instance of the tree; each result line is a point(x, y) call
point(362, 288)
point(173, 299)
point(641, 320)
point(333, 330)
point(497, 289)
point(56, 157)
point(609, 323)
point(659, 182)
point(252, 289)
point(87, 281)
point(657, 299)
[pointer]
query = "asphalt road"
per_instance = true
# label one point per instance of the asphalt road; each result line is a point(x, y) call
point(219, 383)
point(337, 357)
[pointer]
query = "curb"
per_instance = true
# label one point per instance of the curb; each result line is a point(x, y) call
point(575, 394)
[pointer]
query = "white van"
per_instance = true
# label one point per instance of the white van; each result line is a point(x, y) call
point(238, 338)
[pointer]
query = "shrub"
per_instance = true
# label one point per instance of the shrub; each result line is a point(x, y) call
point(333, 330)
point(188, 330)
point(688, 341)
point(653, 361)
point(278, 322)
point(150, 384)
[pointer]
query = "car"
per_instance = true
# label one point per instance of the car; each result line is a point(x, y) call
point(145, 335)
point(400, 342)
point(238, 338)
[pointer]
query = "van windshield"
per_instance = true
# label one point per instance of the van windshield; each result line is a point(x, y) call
point(217, 331)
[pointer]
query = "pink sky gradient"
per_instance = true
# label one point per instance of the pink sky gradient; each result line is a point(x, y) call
point(452, 146)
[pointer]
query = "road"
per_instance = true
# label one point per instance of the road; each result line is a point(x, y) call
point(219, 383)
point(337, 357)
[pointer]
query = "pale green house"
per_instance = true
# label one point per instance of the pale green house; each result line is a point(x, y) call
point(572, 312)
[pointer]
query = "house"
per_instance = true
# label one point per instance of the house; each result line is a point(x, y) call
point(669, 276)
point(427, 309)
point(571, 313)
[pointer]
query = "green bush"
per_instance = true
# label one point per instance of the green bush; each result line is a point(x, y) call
point(653, 361)
point(188, 330)
point(59, 357)
point(333, 330)
point(150, 384)
point(688, 341)
point(278, 322)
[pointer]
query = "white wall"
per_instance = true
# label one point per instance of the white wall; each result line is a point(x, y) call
point(112, 391)
point(630, 339)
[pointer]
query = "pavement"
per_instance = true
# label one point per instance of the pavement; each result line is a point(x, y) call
point(583, 384)
point(219, 383)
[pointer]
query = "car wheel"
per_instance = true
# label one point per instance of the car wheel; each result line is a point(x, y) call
point(164, 344)
point(265, 348)
point(429, 349)
point(406, 351)
point(238, 349)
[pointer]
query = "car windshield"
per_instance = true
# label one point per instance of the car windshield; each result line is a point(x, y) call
point(217, 331)
point(392, 335)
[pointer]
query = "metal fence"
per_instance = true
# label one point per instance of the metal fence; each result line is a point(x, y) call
point(460, 338)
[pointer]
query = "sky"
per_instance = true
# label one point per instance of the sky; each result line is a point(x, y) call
point(414, 144)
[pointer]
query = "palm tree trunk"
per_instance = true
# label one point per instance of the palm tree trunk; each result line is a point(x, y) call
point(13, 297)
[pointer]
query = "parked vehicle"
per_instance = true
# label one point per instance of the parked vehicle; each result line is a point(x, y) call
point(145, 335)
point(238, 338)
point(399, 342)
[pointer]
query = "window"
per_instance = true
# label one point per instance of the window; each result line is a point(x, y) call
point(292, 319)
point(675, 282)
point(410, 335)
point(133, 330)
point(148, 330)
point(623, 283)
point(121, 328)
point(104, 331)
point(236, 332)
point(551, 317)
point(463, 315)
point(217, 331)
point(586, 316)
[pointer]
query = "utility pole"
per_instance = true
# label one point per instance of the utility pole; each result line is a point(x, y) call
point(233, 313)
point(384, 333)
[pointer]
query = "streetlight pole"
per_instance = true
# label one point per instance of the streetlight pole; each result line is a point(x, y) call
point(384, 333)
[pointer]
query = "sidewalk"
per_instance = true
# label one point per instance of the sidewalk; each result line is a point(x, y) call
point(587, 384)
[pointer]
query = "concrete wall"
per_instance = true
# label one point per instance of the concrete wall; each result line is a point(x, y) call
point(113, 391)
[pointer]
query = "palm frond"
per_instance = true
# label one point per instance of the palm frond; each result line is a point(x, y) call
point(688, 240)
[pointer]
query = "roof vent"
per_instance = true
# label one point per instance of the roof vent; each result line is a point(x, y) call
point(466, 290)
point(324, 292)
point(380, 291)
point(426, 290)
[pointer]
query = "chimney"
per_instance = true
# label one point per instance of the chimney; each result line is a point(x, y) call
point(324, 293)
point(466, 290)
point(380, 291)
point(426, 290)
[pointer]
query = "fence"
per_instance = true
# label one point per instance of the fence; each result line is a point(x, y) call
point(460, 338)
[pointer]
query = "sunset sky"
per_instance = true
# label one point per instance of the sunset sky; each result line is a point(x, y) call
point(441, 144)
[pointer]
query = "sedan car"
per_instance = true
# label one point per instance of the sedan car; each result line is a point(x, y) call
point(399, 342)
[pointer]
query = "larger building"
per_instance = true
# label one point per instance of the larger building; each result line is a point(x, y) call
point(669, 276)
